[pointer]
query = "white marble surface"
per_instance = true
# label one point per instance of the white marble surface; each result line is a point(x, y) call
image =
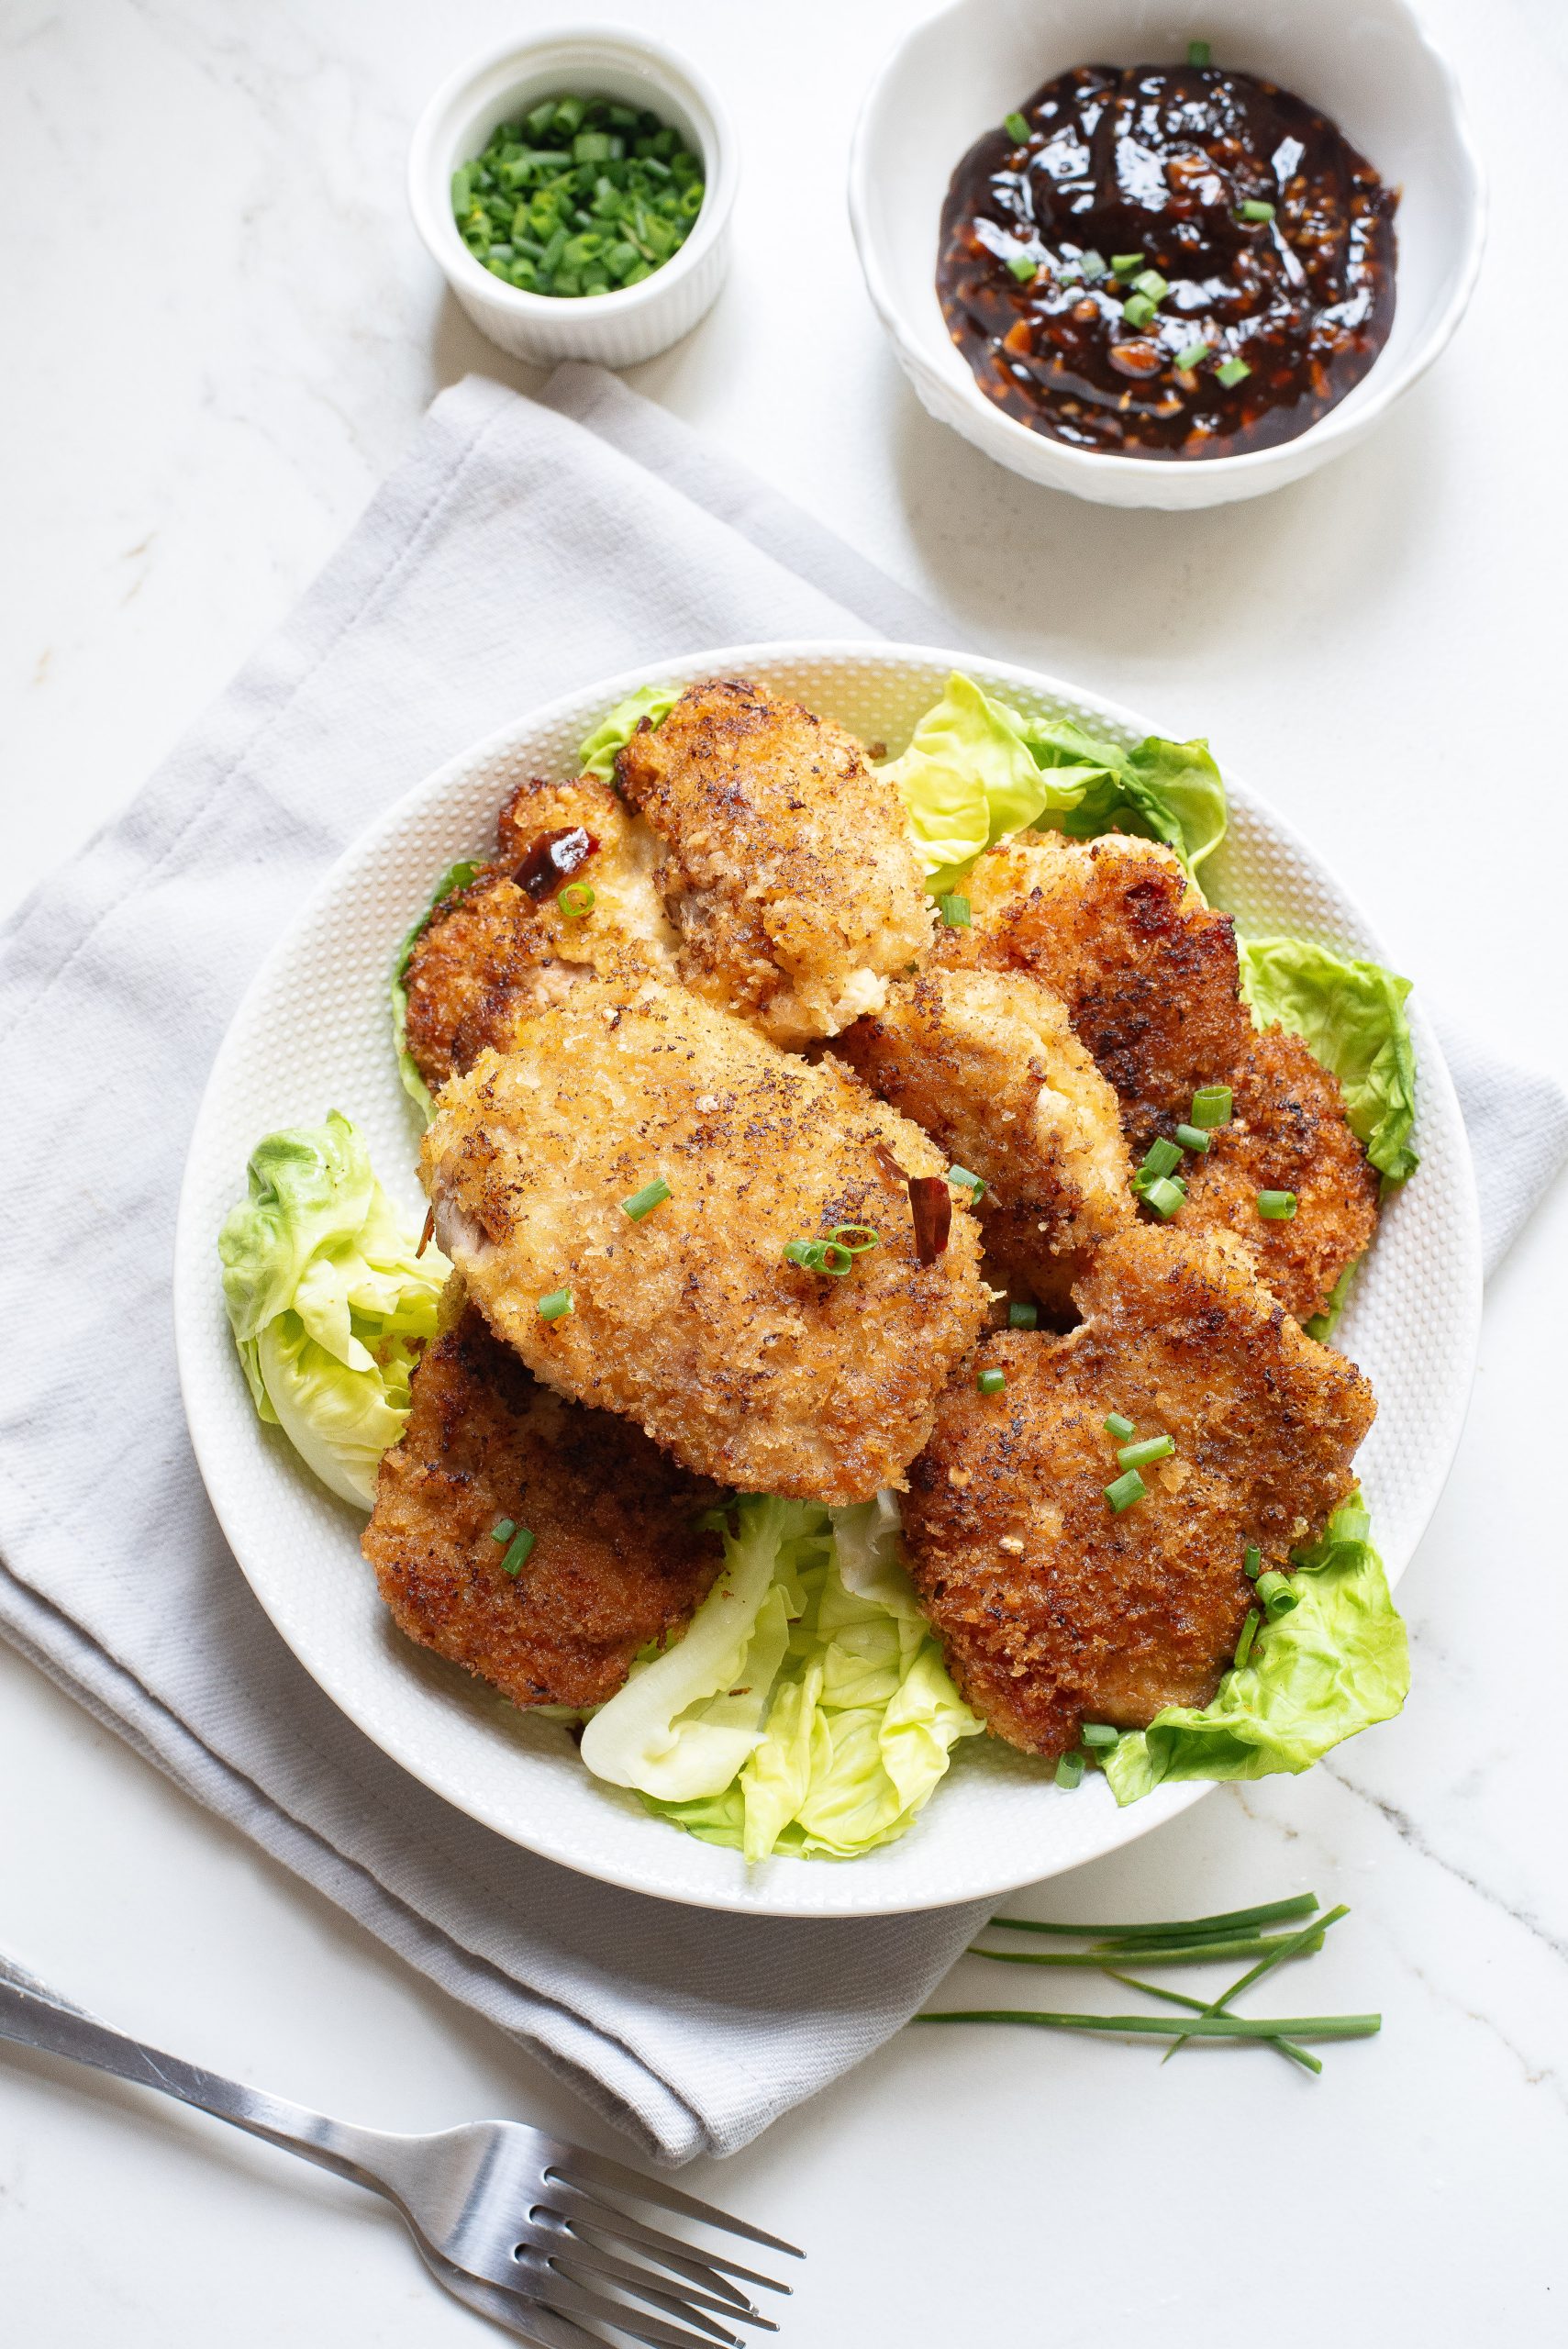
point(219, 330)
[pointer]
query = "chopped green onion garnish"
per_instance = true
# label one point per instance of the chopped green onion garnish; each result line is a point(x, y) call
point(1197, 52)
point(518, 1549)
point(1023, 269)
point(1099, 1733)
point(1023, 1317)
point(1353, 1523)
point(955, 910)
point(1138, 310)
point(856, 1238)
point(1125, 1490)
point(823, 1255)
point(1139, 1455)
point(652, 1195)
point(1192, 1138)
point(1277, 1207)
point(1192, 354)
point(1211, 1106)
point(1153, 284)
point(967, 1180)
point(1248, 1633)
point(1017, 129)
point(1092, 265)
point(991, 1382)
point(1278, 1594)
point(553, 1307)
point(503, 1530)
point(1123, 264)
point(1254, 209)
point(575, 900)
point(1234, 371)
point(1114, 1424)
point(1165, 1197)
point(1252, 1562)
point(1162, 1157)
point(1070, 1771)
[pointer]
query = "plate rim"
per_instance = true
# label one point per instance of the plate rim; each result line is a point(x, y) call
point(192, 1294)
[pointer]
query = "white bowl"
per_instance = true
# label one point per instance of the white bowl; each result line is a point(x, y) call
point(1366, 63)
point(637, 321)
point(313, 1032)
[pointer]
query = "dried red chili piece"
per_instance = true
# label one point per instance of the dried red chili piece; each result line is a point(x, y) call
point(930, 1203)
point(553, 858)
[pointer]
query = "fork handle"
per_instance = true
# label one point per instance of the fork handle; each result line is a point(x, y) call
point(31, 2017)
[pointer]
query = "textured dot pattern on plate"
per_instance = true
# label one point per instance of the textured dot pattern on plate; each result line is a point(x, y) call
point(312, 1033)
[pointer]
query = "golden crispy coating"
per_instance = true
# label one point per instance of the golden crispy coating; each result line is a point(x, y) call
point(988, 1062)
point(1288, 1132)
point(788, 868)
point(1052, 1609)
point(690, 1321)
point(1148, 971)
point(617, 1560)
point(494, 953)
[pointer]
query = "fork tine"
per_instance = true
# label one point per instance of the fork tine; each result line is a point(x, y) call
point(590, 2278)
point(565, 2246)
point(526, 2318)
point(601, 2171)
point(714, 2267)
point(564, 2294)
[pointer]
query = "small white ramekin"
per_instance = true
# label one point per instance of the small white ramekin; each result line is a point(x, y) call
point(1367, 63)
point(599, 61)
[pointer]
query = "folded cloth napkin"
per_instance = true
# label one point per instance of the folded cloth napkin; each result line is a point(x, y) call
point(521, 550)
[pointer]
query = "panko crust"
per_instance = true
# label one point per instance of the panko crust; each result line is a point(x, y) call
point(493, 954)
point(1148, 971)
point(1052, 1608)
point(618, 1560)
point(988, 1062)
point(748, 1369)
point(1288, 1132)
point(788, 868)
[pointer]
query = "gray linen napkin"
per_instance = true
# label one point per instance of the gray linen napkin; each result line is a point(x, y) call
point(521, 550)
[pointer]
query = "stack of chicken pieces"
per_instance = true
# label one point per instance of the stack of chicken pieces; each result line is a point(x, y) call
point(760, 1015)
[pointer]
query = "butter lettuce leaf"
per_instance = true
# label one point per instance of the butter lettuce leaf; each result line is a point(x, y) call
point(455, 877)
point(1351, 1015)
point(328, 1300)
point(1337, 1665)
point(976, 772)
point(807, 1710)
point(970, 777)
point(597, 754)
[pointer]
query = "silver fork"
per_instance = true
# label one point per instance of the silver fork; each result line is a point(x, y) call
point(525, 2228)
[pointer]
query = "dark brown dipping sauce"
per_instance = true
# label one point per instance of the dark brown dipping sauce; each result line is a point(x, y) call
point(1160, 161)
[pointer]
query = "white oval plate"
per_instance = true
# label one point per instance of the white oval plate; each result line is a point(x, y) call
point(312, 1034)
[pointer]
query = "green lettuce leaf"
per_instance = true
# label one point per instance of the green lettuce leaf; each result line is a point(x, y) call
point(1351, 1015)
point(596, 754)
point(976, 772)
point(969, 778)
point(807, 1710)
point(1158, 791)
point(455, 877)
point(1337, 1663)
point(327, 1301)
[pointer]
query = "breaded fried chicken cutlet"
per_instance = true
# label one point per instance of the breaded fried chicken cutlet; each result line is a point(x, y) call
point(1148, 971)
point(1288, 1132)
point(616, 1560)
point(988, 1062)
point(1151, 982)
point(654, 1158)
point(787, 864)
point(1052, 1608)
point(503, 947)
